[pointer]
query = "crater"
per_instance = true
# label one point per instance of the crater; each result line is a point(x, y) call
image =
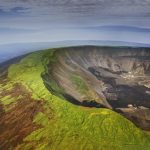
point(117, 78)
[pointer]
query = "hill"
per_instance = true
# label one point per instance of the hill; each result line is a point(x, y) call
point(36, 114)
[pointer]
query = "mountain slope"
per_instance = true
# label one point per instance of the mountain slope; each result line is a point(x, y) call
point(51, 121)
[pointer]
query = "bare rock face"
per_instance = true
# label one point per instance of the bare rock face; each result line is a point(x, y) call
point(110, 77)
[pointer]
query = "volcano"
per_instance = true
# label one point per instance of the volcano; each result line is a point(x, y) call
point(83, 96)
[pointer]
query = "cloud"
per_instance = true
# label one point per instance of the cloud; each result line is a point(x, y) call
point(82, 7)
point(51, 13)
point(13, 11)
point(19, 10)
point(119, 28)
point(6, 30)
point(51, 18)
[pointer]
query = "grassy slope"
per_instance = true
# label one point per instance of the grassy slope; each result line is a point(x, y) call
point(71, 127)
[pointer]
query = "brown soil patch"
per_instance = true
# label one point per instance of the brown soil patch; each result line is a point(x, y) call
point(16, 91)
point(17, 123)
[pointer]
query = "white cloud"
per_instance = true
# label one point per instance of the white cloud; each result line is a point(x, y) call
point(80, 7)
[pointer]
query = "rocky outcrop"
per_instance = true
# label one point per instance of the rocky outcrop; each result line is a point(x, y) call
point(111, 77)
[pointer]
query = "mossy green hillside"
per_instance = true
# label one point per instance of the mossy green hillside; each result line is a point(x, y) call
point(79, 83)
point(6, 100)
point(67, 126)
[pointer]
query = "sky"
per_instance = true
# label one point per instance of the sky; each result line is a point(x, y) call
point(23, 21)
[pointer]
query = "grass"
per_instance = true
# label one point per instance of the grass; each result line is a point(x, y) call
point(69, 127)
point(7, 100)
point(83, 88)
point(80, 84)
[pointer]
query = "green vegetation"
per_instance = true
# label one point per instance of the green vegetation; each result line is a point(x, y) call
point(49, 58)
point(65, 126)
point(82, 87)
point(79, 83)
point(6, 100)
point(6, 96)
